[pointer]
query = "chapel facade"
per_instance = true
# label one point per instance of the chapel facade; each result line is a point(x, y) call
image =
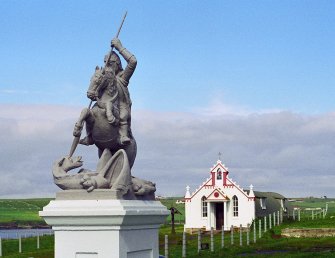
point(221, 202)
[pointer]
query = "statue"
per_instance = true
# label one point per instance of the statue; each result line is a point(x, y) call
point(108, 123)
point(113, 172)
point(108, 126)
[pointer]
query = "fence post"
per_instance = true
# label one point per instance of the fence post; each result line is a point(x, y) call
point(199, 240)
point(278, 222)
point(248, 230)
point(232, 235)
point(184, 245)
point(312, 214)
point(281, 216)
point(222, 237)
point(241, 243)
point(212, 240)
point(0, 247)
point(265, 224)
point(255, 231)
point(326, 208)
point(293, 214)
point(270, 221)
point(20, 244)
point(166, 246)
point(260, 228)
point(274, 219)
point(299, 215)
point(38, 240)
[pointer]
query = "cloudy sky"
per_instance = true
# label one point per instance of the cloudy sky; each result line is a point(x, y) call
point(252, 80)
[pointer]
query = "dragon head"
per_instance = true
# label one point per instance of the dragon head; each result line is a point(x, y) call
point(69, 163)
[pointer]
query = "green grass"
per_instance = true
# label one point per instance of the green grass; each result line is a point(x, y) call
point(21, 212)
point(328, 222)
point(25, 212)
point(316, 203)
point(29, 248)
point(270, 244)
point(171, 202)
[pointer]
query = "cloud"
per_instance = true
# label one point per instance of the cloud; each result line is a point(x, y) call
point(278, 151)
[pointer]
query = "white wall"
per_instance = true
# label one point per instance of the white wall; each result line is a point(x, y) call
point(193, 210)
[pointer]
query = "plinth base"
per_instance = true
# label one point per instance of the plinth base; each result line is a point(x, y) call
point(105, 228)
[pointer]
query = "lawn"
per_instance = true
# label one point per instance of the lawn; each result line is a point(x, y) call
point(21, 212)
point(24, 213)
point(271, 243)
point(29, 248)
point(171, 202)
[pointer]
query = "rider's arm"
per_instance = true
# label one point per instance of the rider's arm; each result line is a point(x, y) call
point(129, 57)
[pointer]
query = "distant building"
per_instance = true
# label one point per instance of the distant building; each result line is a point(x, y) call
point(159, 197)
point(219, 201)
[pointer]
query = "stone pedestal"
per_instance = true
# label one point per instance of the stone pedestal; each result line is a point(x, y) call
point(102, 227)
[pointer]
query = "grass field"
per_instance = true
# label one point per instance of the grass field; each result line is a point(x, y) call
point(25, 213)
point(29, 248)
point(171, 202)
point(271, 244)
point(21, 212)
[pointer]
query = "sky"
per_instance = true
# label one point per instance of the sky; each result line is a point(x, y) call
point(253, 80)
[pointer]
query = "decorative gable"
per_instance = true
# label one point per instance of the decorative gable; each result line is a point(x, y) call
point(219, 174)
point(219, 167)
point(217, 195)
point(218, 180)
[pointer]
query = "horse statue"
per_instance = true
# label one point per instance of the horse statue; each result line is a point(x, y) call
point(108, 126)
point(102, 119)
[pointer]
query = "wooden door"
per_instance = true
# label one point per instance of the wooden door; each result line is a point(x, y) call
point(219, 215)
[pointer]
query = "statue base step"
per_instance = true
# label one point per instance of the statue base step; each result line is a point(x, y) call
point(105, 228)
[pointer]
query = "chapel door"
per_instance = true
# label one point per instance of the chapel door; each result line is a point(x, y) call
point(219, 215)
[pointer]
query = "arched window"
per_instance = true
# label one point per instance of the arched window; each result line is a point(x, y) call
point(203, 207)
point(235, 206)
point(218, 174)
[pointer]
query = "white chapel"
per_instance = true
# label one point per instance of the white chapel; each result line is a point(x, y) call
point(221, 202)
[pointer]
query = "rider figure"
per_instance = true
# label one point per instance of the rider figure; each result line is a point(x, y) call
point(122, 77)
point(118, 104)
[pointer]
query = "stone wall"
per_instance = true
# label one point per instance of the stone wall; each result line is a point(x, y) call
point(308, 232)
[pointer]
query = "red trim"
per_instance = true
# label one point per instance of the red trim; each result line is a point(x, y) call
point(225, 177)
point(213, 178)
point(228, 186)
point(204, 185)
point(219, 165)
point(220, 193)
point(238, 188)
point(211, 181)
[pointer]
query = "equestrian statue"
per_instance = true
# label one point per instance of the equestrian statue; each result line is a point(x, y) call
point(108, 127)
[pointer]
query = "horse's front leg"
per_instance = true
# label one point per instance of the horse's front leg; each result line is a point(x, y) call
point(85, 116)
point(78, 127)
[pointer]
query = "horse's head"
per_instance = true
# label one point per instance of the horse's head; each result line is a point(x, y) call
point(95, 83)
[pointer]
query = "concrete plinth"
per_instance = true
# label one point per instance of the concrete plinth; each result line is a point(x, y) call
point(105, 228)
